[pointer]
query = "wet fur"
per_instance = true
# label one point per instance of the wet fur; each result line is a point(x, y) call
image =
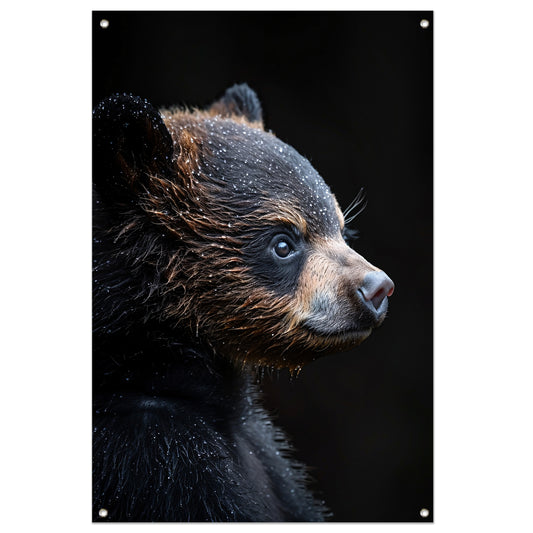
point(187, 301)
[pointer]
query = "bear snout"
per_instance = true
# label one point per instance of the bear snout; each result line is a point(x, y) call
point(375, 290)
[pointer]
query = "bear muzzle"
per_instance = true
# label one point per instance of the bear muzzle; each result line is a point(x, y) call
point(343, 296)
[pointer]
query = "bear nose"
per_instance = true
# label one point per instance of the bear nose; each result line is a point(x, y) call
point(375, 289)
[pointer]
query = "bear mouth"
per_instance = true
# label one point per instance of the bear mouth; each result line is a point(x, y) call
point(353, 335)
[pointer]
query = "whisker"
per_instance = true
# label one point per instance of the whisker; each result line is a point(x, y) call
point(356, 202)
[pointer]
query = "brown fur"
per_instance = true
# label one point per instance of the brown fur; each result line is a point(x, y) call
point(220, 299)
point(216, 246)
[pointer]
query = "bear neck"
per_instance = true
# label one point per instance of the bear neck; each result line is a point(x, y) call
point(155, 363)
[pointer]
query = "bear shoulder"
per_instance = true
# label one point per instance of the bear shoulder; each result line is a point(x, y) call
point(178, 463)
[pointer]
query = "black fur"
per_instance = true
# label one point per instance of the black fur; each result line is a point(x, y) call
point(130, 140)
point(190, 442)
point(240, 100)
point(179, 434)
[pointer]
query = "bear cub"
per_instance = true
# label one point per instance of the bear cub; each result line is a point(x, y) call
point(218, 250)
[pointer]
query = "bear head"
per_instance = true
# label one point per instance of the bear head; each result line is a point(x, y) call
point(215, 228)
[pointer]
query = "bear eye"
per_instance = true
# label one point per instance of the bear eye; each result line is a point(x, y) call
point(282, 248)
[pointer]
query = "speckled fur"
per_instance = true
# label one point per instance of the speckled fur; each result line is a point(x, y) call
point(188, 298)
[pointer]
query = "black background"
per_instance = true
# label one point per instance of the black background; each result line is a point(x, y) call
point(353, 92)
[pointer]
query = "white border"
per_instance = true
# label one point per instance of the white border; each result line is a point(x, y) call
point(484, 94)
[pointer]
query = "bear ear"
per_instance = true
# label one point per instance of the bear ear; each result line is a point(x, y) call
point(239, 101)
point(130, 142)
